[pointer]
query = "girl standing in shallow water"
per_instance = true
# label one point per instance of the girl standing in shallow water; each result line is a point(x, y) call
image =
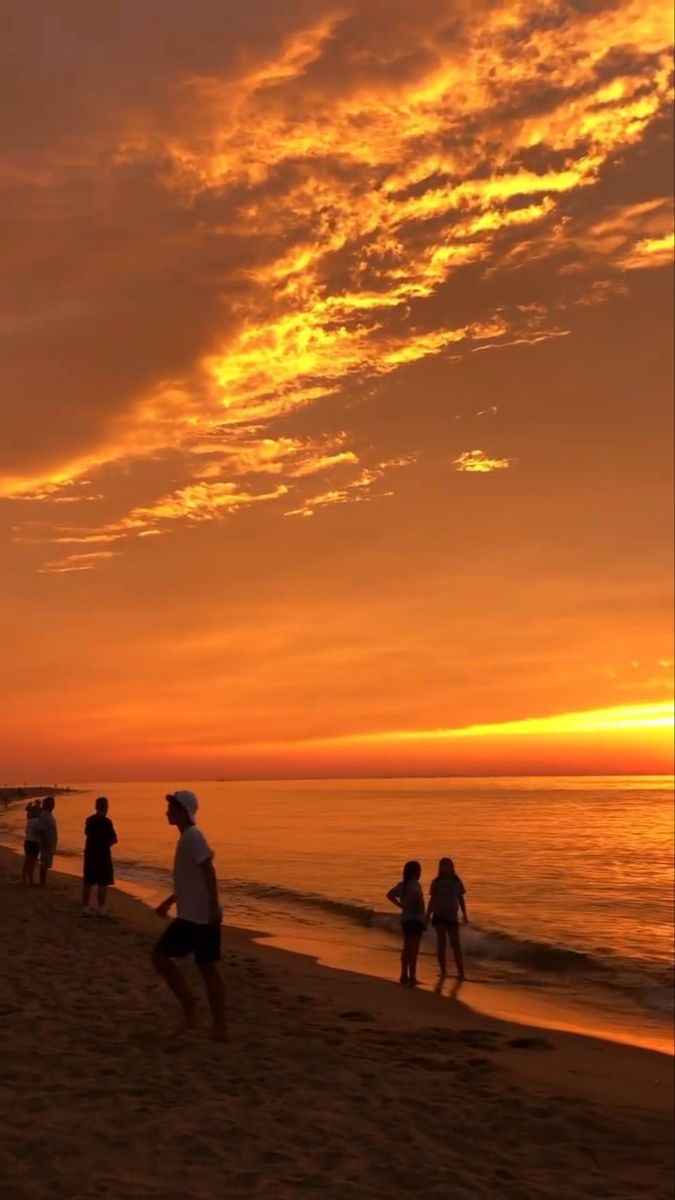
point(408, 896)
point(446, 898)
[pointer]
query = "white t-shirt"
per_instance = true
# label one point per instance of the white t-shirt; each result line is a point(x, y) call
point(192, 896)
point(32, 829)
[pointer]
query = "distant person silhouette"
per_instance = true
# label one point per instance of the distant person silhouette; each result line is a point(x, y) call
point(31, 845)
point(446, 899)
point(196, 927)
point(408, 896)
point(100, 837)
point(49, 837)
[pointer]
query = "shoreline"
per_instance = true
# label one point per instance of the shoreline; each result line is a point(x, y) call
point(501, 1000)
point(333, 1084)
point(494, 1001)
point(14, 795)
point(418, 1005)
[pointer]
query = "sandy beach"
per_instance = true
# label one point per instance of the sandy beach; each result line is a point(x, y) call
point(332, 1084)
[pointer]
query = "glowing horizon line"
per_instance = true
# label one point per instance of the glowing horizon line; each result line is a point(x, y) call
point(659, 715)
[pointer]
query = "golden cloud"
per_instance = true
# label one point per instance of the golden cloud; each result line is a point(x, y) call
point(355, 492)
point(347, 193)
point(478, 463)
point(197, 502)
point(227, 452)
point(205, 500)
point(76, 562)
point(650, 252)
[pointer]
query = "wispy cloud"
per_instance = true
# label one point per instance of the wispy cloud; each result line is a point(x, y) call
point(650, 252)
point(208, 497)
point(53, 492)
point(478, 463)
point(355, 492)
point(232, 452)
point(76, 562)
point(194, 503)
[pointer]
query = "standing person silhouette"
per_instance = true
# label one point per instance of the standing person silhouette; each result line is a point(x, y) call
point(446, 898)
point(49, 837)
point(408, 896)
point(31, 845)
point(100, 837)
point(196, 927)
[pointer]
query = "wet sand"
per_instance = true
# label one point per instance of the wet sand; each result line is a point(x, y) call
point(332, 1085)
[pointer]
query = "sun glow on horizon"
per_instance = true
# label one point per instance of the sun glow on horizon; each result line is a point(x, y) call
point(617, 719)
point(624, 739)
point(601, 720)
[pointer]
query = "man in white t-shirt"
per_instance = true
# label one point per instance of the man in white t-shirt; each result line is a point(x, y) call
point(196, 927)
point(49, 838)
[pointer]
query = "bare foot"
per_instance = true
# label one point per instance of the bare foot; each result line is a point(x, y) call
point(186, 1024)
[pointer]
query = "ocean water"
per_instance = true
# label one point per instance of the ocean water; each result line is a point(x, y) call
point(569, 880)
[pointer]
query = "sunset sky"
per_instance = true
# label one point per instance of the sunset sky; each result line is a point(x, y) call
point(336, 387)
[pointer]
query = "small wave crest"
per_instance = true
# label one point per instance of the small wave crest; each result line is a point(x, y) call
point(649, 983)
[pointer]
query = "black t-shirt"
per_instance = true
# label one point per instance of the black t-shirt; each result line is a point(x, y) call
point(99, 832)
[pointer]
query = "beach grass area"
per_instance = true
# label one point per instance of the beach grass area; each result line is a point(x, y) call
point(332, 1084)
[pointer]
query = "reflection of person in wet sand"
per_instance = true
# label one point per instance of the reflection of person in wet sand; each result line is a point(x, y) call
point(196, 928)
point(446, 899)
point(408, 896)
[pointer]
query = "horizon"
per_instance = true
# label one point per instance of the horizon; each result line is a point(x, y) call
point(337, 393)
point(346, 779)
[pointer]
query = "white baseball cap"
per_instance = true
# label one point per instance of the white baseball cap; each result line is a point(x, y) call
point(187, 800)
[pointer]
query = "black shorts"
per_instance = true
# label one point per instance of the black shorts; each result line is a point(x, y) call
point(412, 927)
point(181, 938)
point(31, 849)
point(444, 922)
point(98, 870)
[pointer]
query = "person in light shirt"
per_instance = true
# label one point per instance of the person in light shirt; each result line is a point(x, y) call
point(196, 927)
point(49, 838)
point(446, 901)
point(31, 845)
point(409, 897)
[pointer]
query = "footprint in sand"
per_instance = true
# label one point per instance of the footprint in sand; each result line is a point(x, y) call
point(530, 1043)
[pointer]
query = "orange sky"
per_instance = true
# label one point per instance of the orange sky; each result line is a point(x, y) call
point(336, 387)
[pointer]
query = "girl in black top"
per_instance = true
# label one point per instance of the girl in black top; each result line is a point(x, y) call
point(100, 837)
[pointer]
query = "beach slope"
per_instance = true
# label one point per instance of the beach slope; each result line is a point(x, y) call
point(332, 1085)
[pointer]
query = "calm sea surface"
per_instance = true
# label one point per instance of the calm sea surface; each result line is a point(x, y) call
point(569, 880)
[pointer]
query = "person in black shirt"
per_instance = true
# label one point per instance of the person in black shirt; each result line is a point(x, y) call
point(100, 837)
